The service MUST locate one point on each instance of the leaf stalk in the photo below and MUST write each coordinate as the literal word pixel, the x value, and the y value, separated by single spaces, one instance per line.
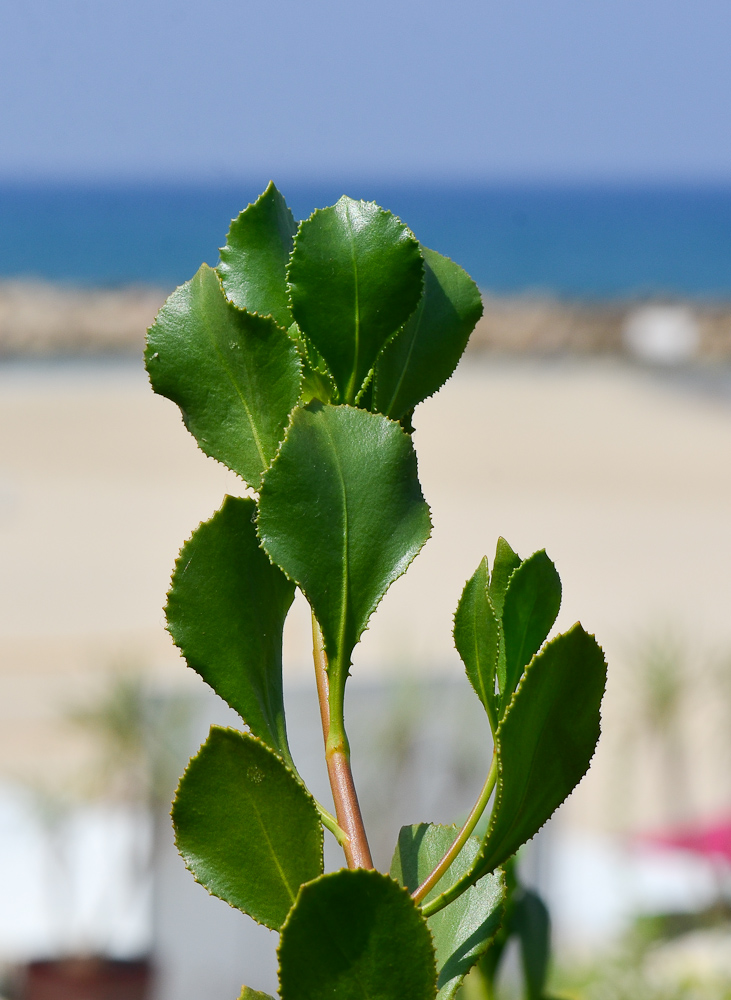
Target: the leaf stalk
pixel 470 823
pixel 337 757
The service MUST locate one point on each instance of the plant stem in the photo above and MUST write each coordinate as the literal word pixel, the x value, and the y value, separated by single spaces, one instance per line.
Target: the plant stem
pixel 337 757
pixel 326 817
pixel 330 823
pixel 470 823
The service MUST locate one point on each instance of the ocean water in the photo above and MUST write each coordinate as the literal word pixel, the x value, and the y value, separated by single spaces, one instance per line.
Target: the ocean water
pixel 580 242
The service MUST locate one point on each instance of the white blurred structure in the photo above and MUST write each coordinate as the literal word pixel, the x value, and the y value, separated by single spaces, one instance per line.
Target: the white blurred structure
pixel 663 335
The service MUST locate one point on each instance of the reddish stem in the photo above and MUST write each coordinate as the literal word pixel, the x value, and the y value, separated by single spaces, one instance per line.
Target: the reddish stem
pixel 337 757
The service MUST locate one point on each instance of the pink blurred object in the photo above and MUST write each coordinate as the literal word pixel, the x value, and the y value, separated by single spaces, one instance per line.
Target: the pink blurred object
pixel 712 841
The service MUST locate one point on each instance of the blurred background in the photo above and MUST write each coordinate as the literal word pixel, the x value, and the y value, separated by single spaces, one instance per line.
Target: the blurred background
pixel 575 158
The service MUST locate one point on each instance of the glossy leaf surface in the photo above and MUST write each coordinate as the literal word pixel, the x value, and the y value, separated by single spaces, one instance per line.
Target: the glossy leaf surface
pixel 477 638
pixel 532 602
pixel 356 935
pixel 235 376
pixel 253 265
pixel 355 277
pixel 246 827
pixel 545 741
pixel 463 930
pixel 248 994
pixel 226 611
pixel 341 511
pixel 425 352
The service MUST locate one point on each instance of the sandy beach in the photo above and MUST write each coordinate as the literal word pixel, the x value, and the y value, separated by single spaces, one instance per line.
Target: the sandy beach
pixel 619 469
pixel 622 474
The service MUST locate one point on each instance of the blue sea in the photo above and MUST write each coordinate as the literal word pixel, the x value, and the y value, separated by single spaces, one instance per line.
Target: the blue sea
pixel 572 242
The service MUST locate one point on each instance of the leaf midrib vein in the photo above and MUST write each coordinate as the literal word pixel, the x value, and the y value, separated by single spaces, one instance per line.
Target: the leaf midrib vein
pixel 356 318
pixel 237 390
pixel 267 838
pixel 334 938
pixel 345 549
pixel 524 795
pixel 407 362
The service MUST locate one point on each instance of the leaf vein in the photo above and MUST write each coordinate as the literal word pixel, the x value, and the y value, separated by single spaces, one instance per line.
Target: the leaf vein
pixel 227 369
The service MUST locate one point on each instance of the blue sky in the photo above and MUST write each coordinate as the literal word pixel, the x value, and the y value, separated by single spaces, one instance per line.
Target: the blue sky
pixel 620 90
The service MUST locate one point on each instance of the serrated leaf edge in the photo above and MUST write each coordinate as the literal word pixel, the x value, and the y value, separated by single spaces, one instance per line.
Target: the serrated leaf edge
pixel 499 784
pixel 408 232
pixel 199 445
pixel 252 204
pixel 403 889
pixel 455 828
pixel 486 944
pixel 289 770
pixel 346 406
pixel 393 336
pixel 168 629
pixel 499 622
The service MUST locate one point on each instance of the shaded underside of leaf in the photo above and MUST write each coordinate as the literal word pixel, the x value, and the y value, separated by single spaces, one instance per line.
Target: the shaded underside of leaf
pixel 532 603
pixel 356 935
pixel 234 375
pixel 341 511
pixel 355 277
pixel 545 741
pixel 246 826
pixel 420 358
pixel 463 930
pixel 477 638
pixel 226 611
pixel 253 267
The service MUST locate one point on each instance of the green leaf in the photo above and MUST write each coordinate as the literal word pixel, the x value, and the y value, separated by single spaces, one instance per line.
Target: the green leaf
pixel 226 611
pixel 477 638
pixel 235 376
pixel 356 935
pixel 545 741
pixel 248 994
pixel 532 601
pixel 342 513
pixel 490 962
pixel 425 352
pixel 317 382
pixel 253 266
pixel 463 930
pixel 532 923
pixel 246 827
pixel 355 277
pixel 506 562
